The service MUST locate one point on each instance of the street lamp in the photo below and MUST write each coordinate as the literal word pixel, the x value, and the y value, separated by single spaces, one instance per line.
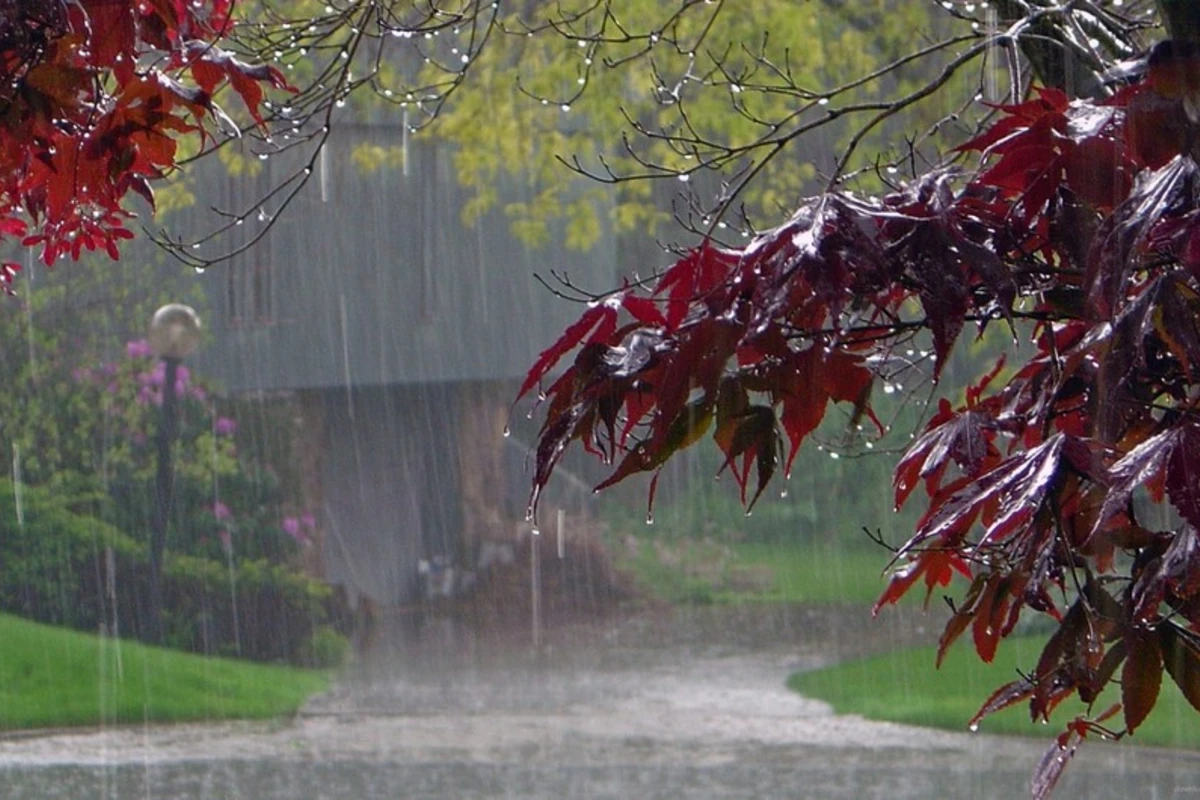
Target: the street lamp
pixel 174 334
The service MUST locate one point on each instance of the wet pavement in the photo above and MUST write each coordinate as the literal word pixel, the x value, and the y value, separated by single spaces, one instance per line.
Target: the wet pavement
pixel 661 705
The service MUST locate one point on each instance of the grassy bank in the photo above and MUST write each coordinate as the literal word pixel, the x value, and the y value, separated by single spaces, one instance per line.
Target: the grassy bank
pixel 903 686
pixel 53 677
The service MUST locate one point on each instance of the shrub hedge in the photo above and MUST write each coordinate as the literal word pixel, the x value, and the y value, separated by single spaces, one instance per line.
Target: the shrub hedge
pixel 64 567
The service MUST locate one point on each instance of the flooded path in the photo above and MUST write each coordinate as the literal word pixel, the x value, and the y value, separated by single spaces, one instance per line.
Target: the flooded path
pixel 653 707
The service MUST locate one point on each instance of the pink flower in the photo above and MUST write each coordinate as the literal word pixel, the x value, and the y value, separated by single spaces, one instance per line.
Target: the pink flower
pixel 138 348
pixel 224 426
pixel 157 375
pixel 221 511
pixel 291 526
pixel 308 521
pixel 226 540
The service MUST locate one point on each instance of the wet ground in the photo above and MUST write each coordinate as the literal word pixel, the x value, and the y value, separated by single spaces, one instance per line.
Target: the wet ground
pixel 690 704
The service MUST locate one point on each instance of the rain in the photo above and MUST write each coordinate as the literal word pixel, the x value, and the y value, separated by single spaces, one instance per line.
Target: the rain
pixel 292 508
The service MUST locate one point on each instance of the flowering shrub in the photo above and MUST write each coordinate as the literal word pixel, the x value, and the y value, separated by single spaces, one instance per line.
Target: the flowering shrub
pixel 226 504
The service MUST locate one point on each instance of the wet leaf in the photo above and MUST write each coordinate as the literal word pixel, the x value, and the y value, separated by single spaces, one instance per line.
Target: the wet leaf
pixel 1141 677
pixel 1183 473
pixel 1007 695
pixel 1020 481
pixel 1181 658
pixel 1135 469
pixel 599 321
pixel 1052 764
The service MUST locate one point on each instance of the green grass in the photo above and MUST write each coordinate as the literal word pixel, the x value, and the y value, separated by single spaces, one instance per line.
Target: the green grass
pixel 52 677
pixel 745 572
pixel 903 686
pixel 817 573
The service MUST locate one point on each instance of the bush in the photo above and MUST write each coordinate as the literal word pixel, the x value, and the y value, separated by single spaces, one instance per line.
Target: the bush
pixel 256 610
pixel 55 567
pixel 326 648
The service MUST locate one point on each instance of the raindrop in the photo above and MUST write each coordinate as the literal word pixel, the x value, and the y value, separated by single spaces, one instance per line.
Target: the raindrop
pixel 684 178
pixel 974 727
pixel 650 518
pixel 507 432
pixel 535 531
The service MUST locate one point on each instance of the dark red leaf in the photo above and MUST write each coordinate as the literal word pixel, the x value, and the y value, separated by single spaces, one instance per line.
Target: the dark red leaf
pixel 1141 677
pixel 1020 482
pixel 1007 695
pixel 898 585
pixel 1181 657
pixel 599 321
pixel 963 438
pixel 986 635
pixel 691 278
pixel 643 310
pixel 1048 771
pixel 1180 566
pixel 1183 473
pixel 1135 469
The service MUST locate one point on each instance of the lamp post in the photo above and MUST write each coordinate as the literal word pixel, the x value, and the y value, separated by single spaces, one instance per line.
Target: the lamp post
pixel 174 334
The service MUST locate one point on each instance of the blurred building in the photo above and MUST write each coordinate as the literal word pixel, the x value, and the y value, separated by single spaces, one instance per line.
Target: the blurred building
pixel 401 333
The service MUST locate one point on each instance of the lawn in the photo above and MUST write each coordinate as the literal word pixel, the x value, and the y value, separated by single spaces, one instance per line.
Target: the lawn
pixel 53 677
pixel 691 571
pixel 903 686
pixel 813 572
